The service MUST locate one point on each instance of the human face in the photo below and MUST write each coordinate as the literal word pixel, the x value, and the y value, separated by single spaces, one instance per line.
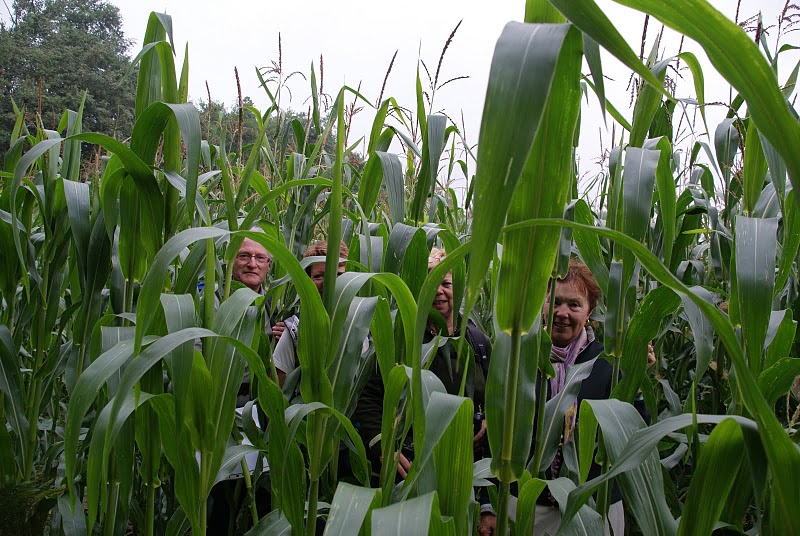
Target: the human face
pixel 570 315
pixel 252 264
pixel 317 274
pixel 443 302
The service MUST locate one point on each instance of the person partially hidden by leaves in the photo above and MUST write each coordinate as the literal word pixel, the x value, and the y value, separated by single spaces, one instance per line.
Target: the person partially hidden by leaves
pixel 285 355
pixel 251 266
pixel 574 343
pixel 443 323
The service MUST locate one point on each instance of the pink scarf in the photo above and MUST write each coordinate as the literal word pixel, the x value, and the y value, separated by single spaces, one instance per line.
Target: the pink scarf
pixel 561 358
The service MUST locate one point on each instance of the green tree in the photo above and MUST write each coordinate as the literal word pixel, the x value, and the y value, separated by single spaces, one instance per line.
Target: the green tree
pixel 51 51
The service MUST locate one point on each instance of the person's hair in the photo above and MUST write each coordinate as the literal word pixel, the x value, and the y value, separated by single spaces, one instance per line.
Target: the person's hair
pixel 580 275
pixel 256 229
pixel 320 249
pixel 436 256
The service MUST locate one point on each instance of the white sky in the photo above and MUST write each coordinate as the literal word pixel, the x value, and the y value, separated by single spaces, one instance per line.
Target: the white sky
pixel 357 39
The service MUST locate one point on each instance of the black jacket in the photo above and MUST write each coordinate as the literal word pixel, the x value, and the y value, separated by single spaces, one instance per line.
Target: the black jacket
pixel 597 387
pixel 369 411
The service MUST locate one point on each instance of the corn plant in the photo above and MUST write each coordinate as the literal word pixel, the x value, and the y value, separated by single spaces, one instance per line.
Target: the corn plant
pixel 118 418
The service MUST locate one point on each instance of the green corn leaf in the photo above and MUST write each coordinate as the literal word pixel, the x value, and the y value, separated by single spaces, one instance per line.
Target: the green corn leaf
pixel 556 408
pixel 647 104
pixel 713 479
pixel 590 18
pixel 528 256
pixel 791 239
pixel 393 179
pixel 344 366
pixel 589 245
pixel 702 330
pixel 448 444
pixel 726 144
pixel 756 243
pixel 780 336
pixel 232 460
pixel 73 522
pixel 289 483
pixel 755 170
pixel 642 486
pixel 272 524
pixel 12 388
pixel 638 181
pixel 509 439
pixel 699 82
pixel 776 381
pixel 643 328
pixel 587 440
pixel 586 522
pixel 737 58
pixel 420 515
pixel 665 183
pixel 519 85
pixel 350 508
pixel 526 505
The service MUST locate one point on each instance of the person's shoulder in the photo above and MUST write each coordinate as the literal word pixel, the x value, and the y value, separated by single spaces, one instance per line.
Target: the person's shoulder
pixel 594 349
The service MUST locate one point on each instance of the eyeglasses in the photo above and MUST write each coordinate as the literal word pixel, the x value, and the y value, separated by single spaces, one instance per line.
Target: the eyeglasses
pixel 260 259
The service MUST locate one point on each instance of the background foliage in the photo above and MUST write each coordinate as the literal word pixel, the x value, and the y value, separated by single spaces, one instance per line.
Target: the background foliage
pixel 115 422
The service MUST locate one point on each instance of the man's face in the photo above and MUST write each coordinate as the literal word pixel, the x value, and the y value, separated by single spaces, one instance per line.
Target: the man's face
pixel 317 274
pixel 252 264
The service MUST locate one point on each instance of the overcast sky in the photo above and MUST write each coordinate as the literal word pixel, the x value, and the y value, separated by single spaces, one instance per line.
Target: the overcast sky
pixel 357 39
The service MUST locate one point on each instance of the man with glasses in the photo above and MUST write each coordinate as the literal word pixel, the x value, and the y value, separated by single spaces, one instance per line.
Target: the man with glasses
pixel 251 266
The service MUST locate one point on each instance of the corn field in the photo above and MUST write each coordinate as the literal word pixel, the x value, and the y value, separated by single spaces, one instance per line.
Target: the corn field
pixel 115 422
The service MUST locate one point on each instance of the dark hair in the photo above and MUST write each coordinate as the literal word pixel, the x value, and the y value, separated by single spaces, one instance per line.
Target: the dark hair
pixel 580 275
pixel 320 249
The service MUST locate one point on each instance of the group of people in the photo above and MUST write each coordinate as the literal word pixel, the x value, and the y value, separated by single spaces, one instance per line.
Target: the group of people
pixel 573 342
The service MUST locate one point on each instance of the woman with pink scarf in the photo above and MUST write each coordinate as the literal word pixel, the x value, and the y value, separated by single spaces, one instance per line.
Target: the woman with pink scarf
pixel 577 294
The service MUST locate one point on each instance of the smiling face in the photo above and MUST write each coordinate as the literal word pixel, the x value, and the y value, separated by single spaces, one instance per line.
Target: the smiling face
pixel 571 313
pixel 443 302
pixel 252 264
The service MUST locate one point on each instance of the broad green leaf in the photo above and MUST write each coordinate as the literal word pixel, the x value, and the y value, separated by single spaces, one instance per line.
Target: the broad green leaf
pixel 755 170
pixel 638 181
pixel 737 58
pixel 702 330
pixel 273 524
pixel 590 18
pixel 643 328
pixel 11 386
pixel 589 245
pixel 642 484
pixel 394 182
pixel 556 408
pixel 665 183
pixel 519 86
pixel 349 509
pixel 756 244
pixel 776 381
pixel 587 522
pixel 726 144
pixel 529 255
pixel 526 505
pixel 509 438
pixel 780 336
pixel 411 517
pixel 712 479
pixel 647 103
pixel 791 239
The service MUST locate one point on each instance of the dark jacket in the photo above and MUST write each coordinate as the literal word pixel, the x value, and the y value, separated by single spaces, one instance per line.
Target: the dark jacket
pixel 369 411
pixel 597 387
